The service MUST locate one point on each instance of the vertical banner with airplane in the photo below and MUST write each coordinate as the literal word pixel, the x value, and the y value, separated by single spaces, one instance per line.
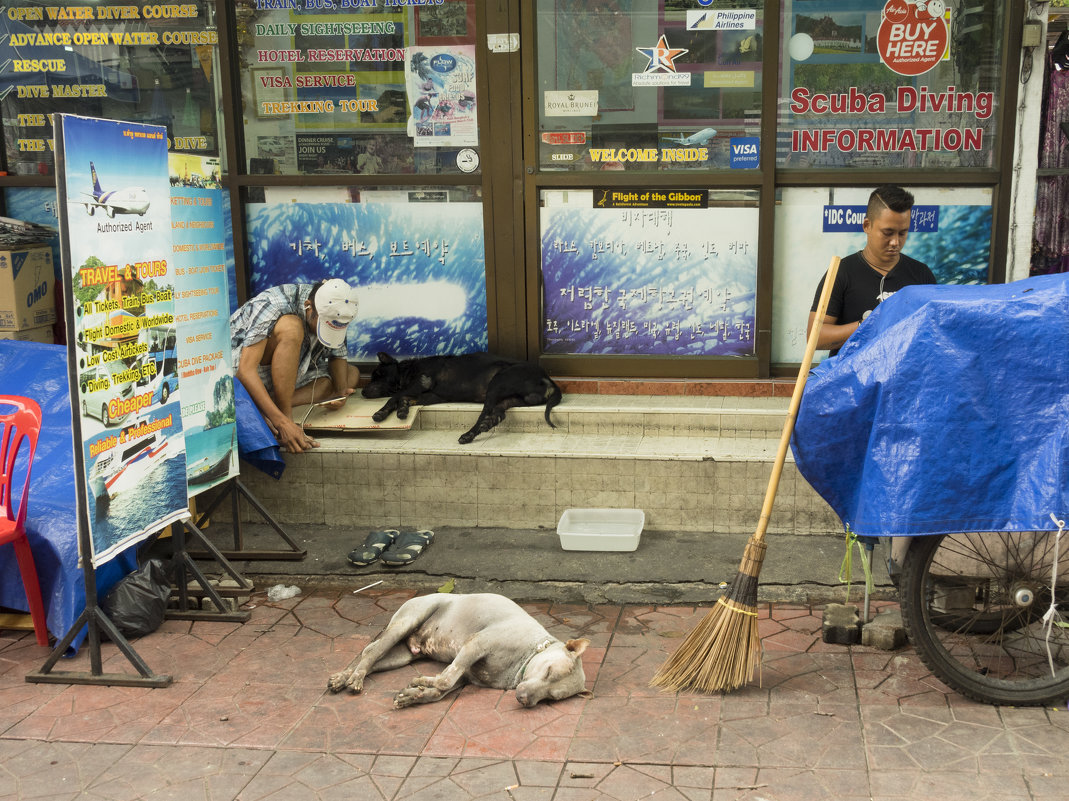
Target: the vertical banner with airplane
pixel 202 316
pixel 115 241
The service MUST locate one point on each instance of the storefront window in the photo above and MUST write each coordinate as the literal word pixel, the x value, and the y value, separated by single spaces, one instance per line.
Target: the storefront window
pixel 889 83
pixel 950 231
pixel 649 271
pixel 670 85
pixel 344 87
pixel 132 61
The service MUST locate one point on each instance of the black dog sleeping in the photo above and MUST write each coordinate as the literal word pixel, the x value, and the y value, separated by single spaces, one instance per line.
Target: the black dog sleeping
pixel 496 382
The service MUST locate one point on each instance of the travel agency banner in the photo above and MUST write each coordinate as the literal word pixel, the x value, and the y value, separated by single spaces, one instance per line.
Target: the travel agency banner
pixel 201 360
pixel 115 240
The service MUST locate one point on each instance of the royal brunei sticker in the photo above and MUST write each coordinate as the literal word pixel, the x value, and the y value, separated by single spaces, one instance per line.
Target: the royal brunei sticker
pixel 571 103
pixel 661 69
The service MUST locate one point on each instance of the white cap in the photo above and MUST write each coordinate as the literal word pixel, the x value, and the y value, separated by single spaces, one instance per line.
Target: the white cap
pixel 336 305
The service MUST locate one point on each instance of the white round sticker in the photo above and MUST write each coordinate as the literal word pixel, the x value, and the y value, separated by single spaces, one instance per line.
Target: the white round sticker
pixel 467 160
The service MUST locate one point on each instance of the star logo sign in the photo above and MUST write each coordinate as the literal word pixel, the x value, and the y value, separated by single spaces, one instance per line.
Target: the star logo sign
pixel 662 57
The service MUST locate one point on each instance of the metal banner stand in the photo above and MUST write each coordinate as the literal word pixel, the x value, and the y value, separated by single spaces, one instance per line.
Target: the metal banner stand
pixel 234 490
pixel 98 622
pixel 185 568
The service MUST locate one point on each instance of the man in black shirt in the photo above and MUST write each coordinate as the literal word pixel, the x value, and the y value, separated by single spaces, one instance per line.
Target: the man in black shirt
pixel 873 274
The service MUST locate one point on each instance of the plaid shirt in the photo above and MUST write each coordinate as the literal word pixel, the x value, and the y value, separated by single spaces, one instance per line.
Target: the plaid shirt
pixel 255 320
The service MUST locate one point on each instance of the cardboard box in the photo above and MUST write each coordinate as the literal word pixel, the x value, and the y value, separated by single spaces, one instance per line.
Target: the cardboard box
pixel 43 334
pixel 27 284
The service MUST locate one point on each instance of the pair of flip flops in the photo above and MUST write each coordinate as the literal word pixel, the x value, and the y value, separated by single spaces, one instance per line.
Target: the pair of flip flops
pixel 392 547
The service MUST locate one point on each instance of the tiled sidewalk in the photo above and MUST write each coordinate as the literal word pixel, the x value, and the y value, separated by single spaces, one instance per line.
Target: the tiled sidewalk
pixel 248 717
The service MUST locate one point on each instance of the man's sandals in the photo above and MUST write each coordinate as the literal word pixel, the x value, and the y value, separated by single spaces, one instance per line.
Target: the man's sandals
pixel 374 545
pixel 407 547
pixel 392 547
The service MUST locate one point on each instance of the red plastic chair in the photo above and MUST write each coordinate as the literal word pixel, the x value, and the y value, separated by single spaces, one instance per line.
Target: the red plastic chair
pixel 21 425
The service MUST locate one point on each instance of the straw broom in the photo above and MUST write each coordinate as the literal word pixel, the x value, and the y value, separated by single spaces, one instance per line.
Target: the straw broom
pixel 724 651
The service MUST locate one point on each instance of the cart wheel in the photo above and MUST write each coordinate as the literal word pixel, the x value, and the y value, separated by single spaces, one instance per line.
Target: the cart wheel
pixel 973 606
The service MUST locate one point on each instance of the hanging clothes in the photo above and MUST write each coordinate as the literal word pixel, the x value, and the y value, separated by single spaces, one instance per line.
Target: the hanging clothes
pixel 1052 191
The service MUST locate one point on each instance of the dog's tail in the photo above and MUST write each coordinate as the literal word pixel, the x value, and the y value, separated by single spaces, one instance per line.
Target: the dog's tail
pixel 553 397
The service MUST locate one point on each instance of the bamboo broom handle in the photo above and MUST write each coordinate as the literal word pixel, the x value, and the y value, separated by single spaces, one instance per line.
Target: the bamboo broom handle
pixel 796 400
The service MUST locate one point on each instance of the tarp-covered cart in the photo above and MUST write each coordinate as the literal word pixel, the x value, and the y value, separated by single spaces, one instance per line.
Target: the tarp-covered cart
pixel 947 415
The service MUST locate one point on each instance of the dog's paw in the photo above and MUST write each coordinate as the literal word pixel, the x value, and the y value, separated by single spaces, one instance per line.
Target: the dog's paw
pixel 380 415
pixel 466 437
pixel 345 679
pixel 410 695
pixel 337 682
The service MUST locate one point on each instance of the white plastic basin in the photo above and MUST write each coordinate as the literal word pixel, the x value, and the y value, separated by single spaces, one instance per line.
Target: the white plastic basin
pixel 600 529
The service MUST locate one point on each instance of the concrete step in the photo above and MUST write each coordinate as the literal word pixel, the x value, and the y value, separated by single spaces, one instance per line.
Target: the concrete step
pixel 691 464
pixel 626 415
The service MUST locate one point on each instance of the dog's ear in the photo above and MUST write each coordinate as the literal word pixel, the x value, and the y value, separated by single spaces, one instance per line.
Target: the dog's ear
pixel 577 646
pixel 386 358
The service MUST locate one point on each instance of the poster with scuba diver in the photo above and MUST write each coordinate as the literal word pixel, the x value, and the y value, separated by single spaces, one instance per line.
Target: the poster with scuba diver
pixel 441 96
pixel 115 242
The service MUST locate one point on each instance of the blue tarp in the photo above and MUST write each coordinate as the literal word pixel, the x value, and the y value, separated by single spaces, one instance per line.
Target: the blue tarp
pixel 40 372
pixel 948 410
pixel 256 444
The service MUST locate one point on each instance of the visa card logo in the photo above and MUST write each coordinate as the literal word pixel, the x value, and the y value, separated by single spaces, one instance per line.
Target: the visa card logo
pixel 745 153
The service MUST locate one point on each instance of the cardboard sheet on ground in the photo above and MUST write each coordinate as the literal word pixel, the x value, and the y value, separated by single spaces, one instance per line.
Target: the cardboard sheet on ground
pixel 40 372
pixel 354 415
pixel 947 411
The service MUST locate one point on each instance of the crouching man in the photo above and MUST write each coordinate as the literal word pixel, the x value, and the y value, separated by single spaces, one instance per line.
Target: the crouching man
pixel 288 346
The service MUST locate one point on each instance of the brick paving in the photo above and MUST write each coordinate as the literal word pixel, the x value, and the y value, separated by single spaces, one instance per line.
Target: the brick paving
pixel 247 717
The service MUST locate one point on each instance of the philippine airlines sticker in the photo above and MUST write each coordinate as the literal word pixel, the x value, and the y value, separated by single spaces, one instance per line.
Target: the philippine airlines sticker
pixel 913 35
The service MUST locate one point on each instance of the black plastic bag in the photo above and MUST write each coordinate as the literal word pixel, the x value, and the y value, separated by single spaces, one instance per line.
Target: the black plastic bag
pixel 138 603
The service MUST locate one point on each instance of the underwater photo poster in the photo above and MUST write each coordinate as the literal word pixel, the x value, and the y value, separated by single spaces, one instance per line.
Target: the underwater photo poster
pixel 418 266
pixel 644 280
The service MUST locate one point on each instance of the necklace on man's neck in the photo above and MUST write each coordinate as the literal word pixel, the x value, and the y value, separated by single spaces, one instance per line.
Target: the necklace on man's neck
pixel 881 270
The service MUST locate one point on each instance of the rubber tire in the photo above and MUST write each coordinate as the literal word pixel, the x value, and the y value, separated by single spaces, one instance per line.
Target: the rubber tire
pixel 105 418
pixel 164 394
pixel 921 630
